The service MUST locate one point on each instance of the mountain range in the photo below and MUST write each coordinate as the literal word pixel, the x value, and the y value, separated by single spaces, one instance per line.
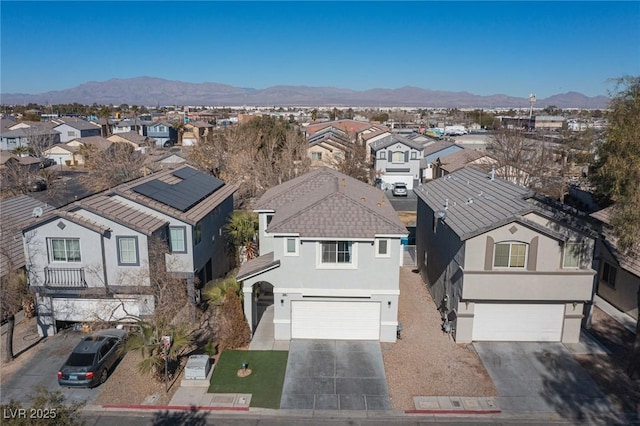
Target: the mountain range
pixel 153 91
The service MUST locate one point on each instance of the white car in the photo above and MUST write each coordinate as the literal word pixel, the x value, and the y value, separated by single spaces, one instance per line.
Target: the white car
pixel 399 189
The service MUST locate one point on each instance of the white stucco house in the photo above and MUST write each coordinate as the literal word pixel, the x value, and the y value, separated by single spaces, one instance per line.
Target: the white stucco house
pixel 330 250
pixel 398 159
pixel 502 263
pixel 92 260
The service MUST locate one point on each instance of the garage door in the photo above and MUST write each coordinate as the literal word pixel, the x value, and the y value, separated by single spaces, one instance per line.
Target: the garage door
pixel 518 322
pixel 335 320
pixel 391 179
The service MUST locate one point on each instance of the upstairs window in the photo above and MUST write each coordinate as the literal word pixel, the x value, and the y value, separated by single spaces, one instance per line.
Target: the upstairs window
pixel 510 255
pixel 397 157
pixel 609 274
pixel 382 155
pixel 414 155
pixel 316 156
pixel 382 248
pixel 336 252
pixel 65 249
pixel 127 250
pixel 291 246
pixel 197 233
pixel 178 239
pixel 571 258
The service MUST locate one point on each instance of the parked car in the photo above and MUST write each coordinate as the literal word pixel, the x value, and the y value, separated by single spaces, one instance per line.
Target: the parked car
pixel 399 189
pixel 92 359
pixel 37 184
pixel 47 162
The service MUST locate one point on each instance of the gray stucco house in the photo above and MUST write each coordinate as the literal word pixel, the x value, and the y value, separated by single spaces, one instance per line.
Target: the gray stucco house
pixel 330 252
pixel 90 260
pixel 73 128
pixel 397 159
pixel 500 262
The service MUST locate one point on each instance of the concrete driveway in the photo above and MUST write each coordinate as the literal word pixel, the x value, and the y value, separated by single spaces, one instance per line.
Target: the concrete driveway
pixel 335 375
pixel 42 371
pixel 536 378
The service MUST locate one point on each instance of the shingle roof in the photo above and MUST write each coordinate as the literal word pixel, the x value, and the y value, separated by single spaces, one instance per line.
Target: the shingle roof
pixel 459 159
pixel 628 263
pixel 78 124
pixel 326 203
pixel 14 213
pixel 98 141
pixel 257 265
pixel 122 213
pixel 434 147
pixel 130 136
pixel 351 126
pixel 492 201
pixel 387 141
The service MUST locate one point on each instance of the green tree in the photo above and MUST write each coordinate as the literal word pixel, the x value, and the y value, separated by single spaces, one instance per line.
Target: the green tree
pixel 180 128
pixel 105 113
pixel 241 232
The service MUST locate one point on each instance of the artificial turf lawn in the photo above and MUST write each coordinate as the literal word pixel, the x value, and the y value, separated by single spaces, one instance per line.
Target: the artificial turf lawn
pixel 264 383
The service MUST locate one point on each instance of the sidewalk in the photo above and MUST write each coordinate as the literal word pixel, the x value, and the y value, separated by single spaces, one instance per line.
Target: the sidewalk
pixel 263 338
pixel 626 320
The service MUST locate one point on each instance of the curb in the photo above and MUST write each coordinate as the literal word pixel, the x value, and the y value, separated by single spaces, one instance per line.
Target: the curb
pixel 173 407
pixel 449 412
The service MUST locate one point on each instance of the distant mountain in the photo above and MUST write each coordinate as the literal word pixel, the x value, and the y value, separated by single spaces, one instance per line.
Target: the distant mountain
pixel 156 91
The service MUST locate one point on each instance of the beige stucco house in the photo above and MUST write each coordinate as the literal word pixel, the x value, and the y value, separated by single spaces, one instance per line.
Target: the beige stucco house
pixel 501 263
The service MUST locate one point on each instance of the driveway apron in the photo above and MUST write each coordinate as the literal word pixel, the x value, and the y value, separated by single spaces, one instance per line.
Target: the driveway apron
pixel 543 378
pixel 335 375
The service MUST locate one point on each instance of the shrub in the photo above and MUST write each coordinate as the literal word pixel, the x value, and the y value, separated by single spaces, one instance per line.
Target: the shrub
pixel 234 329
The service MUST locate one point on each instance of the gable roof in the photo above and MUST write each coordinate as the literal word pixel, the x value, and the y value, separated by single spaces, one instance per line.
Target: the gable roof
pixel 14 213
pixel 327 204
pixel 438 146
pixel 387 141
pixel 97 141
pixel 458 160
pixel 77 124
pixel 629 263
pixel 349 126
pixel 130 136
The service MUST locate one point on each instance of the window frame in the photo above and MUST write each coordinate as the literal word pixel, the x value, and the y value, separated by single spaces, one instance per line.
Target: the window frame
pixel 197 234
pixel 52 256
pixel 565 251
pixel 296 242
pixel 414 155
pixel 387 242
pixel 510 254
pixel 608 269
pixel 184 235
pixel 136 251
pixel 316 156
pixel 352 250
pixel 398 153
pixel 383 155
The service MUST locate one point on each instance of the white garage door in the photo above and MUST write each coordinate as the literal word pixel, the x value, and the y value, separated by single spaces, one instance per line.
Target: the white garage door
pixel 518 322
pixel 391 179
pixel 335 320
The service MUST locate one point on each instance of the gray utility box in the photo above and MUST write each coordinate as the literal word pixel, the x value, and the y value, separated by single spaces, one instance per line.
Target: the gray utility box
pixel 198 367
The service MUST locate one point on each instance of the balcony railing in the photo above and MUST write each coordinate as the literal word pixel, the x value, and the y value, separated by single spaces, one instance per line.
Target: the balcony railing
pixel 64 278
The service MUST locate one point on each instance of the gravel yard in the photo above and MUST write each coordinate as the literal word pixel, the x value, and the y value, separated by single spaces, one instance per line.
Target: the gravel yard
pixel 426 361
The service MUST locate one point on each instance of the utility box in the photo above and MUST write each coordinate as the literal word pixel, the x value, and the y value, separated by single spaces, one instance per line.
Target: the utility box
pixel 197 367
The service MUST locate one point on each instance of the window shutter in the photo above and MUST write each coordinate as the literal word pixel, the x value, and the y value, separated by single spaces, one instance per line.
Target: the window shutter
pixel 406 156
pixel 488 255
pixel 389 156
pixel 533 255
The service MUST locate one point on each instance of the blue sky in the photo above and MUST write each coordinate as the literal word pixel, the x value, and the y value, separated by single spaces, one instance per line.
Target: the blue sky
pixel 484 48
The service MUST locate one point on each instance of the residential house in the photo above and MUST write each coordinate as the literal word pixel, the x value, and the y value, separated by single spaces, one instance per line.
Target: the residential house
pixel 618 279
pixel 432 152
pixel 70 153
pixel 397 159
pixel 328 147
pixel 139 142
pixel 90 260
pixel 76 128
pixel 330 252
pixel 162 132
pixel 501 263
pixel 195 132
pixel 14 213
pixel 36 138
pixel 126 126
pixel 457 160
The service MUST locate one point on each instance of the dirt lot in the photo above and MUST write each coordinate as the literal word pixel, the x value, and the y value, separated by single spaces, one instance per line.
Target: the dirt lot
pixel 426 361
pixel 608 371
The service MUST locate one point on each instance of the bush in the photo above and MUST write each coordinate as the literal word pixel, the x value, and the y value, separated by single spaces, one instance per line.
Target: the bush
pixel 234 329
pixel 47 408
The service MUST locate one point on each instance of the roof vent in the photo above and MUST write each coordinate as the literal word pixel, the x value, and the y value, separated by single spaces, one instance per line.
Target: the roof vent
pixel 37 212
pixel 470 200
pixel 363 199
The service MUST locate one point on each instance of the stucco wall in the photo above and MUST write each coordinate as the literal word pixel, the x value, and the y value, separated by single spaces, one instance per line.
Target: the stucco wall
pixel 625 294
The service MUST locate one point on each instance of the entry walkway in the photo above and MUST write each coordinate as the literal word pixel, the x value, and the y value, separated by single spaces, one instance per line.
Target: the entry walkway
pixel 263 339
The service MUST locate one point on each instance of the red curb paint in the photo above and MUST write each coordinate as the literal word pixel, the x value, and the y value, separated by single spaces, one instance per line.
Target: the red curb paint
pixel 175 407
pixel 453 411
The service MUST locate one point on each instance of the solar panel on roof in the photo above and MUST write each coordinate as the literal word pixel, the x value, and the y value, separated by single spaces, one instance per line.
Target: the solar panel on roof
pixel 193 188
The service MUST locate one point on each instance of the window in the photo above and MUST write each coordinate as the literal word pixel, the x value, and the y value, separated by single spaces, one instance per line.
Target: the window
pixel 65 249
pixel 197 233
pixel 316 156
pixel 336 252
pixel 510 255
pixel 397 157
pixel 162 129
pixel 71 134
pixel 609 274
pixel 291 246
pixel 382 248
pixel 571 257
pixel 178 239
pixel 127 250
pixel 414 155
pixel 383 155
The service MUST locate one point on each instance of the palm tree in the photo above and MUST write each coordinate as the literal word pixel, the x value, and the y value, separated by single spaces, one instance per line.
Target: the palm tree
pixel 241 232
pixel 135 109
pixel 215 291
pixel 105 112
pixel 20 151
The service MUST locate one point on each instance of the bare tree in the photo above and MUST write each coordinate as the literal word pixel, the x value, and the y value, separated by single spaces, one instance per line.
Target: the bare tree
pixel 355 163
pixel 118 163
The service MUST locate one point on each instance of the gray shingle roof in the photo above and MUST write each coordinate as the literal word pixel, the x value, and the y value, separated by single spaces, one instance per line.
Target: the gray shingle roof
pixel 437 146
pixel 459 159
pixel 329 204
pixel 629 263
pixel 78 124
pixel 387 141
pixel 473 202
pixel 257 265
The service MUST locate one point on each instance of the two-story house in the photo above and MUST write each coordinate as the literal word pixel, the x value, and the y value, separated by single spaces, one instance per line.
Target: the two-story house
pixel 91 260
pixel 330 250
pixel 328 147
pixel 432 152
pixel 397 159
pixel 163 133
pixel 500 263
pixel 73 128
